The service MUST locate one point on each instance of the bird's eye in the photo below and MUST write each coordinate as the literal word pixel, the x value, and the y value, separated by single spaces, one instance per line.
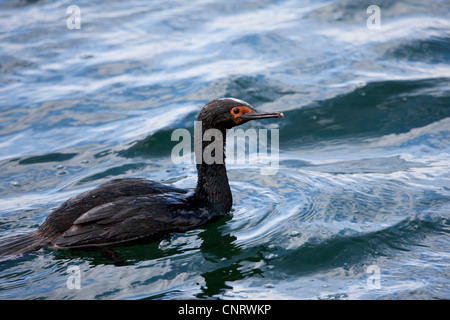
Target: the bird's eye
pixel 236 110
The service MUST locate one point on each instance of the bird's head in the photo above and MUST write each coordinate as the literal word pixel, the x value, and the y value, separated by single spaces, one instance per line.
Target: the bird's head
pixel 227 113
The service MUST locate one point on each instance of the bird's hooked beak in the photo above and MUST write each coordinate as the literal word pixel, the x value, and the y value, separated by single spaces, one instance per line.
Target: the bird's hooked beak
pixel 260 115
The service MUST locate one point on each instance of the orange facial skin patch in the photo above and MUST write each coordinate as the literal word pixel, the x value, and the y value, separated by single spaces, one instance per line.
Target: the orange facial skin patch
pixel 239 111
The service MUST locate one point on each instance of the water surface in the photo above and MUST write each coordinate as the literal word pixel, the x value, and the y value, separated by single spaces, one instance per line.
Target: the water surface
pixel 364 171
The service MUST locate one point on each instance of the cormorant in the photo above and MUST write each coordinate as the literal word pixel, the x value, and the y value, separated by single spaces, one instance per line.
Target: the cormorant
pixel 124 211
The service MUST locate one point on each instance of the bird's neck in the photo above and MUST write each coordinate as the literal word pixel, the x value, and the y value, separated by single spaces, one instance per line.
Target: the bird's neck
pixel 213 189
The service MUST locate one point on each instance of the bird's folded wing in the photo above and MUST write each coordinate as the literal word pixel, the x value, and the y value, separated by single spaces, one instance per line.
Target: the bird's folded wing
pixel 125 220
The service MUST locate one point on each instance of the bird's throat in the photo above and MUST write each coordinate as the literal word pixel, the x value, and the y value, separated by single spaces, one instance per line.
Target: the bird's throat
pixel 213 188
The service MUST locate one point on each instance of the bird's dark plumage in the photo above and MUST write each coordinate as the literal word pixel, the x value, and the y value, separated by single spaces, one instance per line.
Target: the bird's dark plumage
pixel 124 211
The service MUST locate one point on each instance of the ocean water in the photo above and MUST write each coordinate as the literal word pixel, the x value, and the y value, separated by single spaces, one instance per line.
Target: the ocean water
pixel 359 207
